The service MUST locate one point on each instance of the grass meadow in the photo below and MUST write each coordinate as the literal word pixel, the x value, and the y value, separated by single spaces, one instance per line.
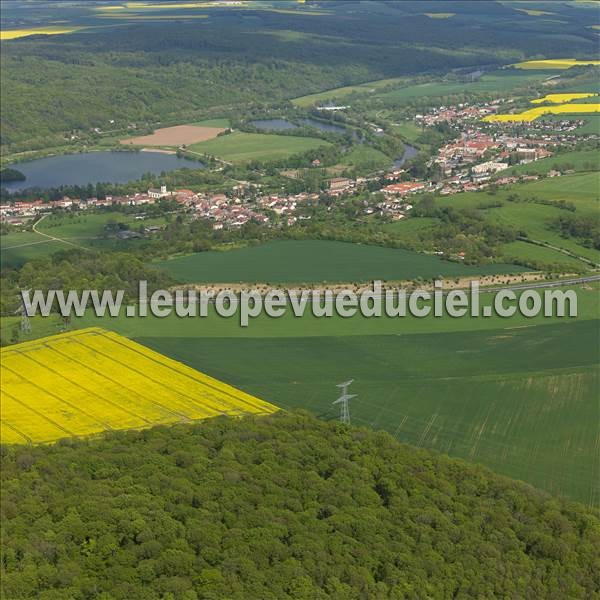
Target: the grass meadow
pixel 84 229
pixel 244 147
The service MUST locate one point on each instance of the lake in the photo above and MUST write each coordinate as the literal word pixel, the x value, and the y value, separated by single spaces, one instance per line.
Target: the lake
pixel 284 124
pixel 95 167
pixel 273 124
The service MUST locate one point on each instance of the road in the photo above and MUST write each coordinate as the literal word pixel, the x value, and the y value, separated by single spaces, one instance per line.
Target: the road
pixel 52 237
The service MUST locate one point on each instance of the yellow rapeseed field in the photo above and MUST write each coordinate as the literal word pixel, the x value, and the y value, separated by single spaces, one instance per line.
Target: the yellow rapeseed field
pixel 554 63
pixel 12 34
pixel 88 381
pixel 534 113
pixel 560 98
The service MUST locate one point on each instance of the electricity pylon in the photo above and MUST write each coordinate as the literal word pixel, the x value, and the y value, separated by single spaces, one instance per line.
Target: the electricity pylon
pixel 25 322
pixel 343 401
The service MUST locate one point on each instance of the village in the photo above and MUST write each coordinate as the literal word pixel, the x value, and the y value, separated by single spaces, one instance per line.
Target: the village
pixel 472 161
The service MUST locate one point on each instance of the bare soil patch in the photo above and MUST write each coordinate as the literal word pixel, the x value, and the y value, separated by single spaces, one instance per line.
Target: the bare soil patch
pixel 175 136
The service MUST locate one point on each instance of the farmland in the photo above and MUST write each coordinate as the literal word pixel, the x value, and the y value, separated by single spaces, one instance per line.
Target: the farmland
pixel 488 390
pixel 585 160
pixel 533 218
pixel 570 108
pixel 316 261
pixel 89 381
pixel 368 88
pixel 13 34
pixel 496 81
pixel 554 63
pixel 20 246
pixel 87 230
pixel 244 147
pixel 559 98
pixel 175 136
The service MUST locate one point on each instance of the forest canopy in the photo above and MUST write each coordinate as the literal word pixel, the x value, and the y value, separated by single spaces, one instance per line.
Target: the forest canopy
pixel 281 507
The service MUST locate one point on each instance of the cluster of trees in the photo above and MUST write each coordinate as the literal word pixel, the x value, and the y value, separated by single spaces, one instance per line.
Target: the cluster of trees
pixel 562 204
pixel 280 507
pixel 583 228
pixel 80 270
pixel 461 230
pixel 7 175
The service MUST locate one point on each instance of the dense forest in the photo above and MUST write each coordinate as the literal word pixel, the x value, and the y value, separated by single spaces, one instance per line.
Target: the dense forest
pixel 281 507
pixel 148 72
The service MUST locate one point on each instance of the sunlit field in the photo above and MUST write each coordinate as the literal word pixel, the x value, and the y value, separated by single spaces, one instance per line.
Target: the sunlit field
pixel 12 34
pixel 534 113
pixel 560 98
pixel 554 63
pixel 89 381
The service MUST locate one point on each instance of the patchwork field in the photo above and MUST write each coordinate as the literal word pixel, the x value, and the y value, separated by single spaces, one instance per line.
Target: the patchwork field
pixel 317 261
pixel 244 147
pixel 84 230
pixel 495 81
pixel 519 395
pixel 535 219
pixel 175 136
pixel 85 382
pixel 570 108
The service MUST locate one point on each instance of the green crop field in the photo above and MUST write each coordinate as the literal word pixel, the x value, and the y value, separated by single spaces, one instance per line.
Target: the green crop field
pixel 17 247
pixel 496 81
pixel 84 229
pixel 489 390
pixel 244 147
pixel 317 261
pixel 580 188
pixel 369 87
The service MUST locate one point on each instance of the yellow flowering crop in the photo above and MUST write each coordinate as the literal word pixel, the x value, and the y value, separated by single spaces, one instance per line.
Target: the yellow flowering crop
pixel 534 113
pixel 11 34
pixel 554 63
pixel 560 98
pixel 89 381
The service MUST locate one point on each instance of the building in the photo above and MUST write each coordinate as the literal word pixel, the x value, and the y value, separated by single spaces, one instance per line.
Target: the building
pixel 488 167
pixel 159 194
pixel 404 188
pixel 339 183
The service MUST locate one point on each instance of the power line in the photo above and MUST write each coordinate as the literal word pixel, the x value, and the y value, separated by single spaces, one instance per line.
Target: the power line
pixel 343 401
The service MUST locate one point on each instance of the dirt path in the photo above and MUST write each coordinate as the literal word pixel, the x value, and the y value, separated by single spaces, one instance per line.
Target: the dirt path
pixel 52 237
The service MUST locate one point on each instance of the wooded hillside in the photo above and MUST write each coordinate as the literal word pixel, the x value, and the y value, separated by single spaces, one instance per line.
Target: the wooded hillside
pixel 280 507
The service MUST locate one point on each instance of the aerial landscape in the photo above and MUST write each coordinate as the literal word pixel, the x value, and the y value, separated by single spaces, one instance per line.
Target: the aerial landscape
pixel 299 299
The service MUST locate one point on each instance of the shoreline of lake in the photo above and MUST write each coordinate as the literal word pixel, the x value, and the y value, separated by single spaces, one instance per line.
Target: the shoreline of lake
pixel 85 168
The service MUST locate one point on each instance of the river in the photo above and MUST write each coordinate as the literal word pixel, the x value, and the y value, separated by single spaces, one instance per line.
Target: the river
pixel 409 152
